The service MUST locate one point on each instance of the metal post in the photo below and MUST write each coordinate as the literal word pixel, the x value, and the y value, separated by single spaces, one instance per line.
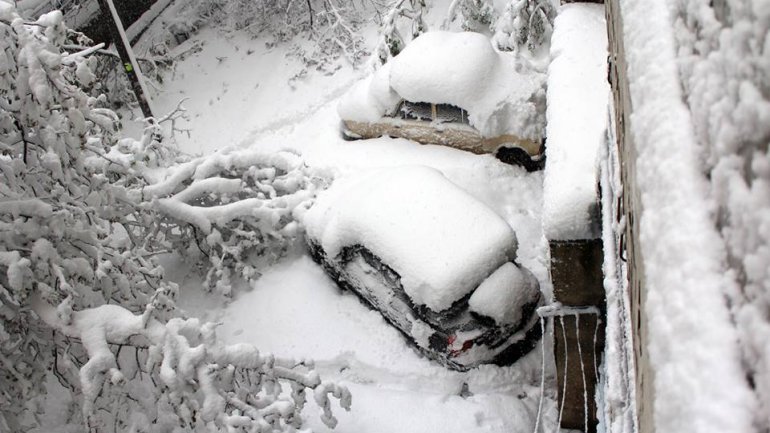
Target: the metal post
pixel 130 65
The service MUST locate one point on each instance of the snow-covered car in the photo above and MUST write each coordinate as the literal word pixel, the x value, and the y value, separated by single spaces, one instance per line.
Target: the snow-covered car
pixel 453 89
pixel 433 260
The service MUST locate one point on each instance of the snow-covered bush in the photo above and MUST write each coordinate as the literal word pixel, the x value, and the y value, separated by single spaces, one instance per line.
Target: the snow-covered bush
pixel 525 26
pixel 477 15
pixel 391 41
pixel 724 52
pixel 521 26
pixel 82 298
pixel 111 79
pixel 332 25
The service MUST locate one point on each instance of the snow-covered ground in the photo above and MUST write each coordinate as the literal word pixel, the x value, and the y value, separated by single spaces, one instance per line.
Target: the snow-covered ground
pixel 239 95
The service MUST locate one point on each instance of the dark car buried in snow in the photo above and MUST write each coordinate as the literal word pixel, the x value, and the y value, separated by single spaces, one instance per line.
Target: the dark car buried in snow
pixel 438 264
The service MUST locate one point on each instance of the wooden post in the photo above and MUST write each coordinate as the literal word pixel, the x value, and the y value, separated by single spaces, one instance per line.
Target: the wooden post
pixel 577 276
pixel 130 65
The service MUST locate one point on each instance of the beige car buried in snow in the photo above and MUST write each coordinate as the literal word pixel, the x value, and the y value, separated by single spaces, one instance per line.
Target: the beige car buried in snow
pixel 501 99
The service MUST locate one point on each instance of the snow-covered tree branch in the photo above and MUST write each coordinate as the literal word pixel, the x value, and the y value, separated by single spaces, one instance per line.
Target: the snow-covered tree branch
pixel 525 26
pixel 522 26
pixel 477 15
pixel 391 41
pixel 81 292
pixel 240 207
pixel 200 380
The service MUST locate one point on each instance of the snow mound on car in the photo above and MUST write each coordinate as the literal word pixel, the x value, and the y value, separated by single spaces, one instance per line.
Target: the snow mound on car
pixel 369 99
pixel 445 67
pixel 501 93
pixel 442 241
pixel 503 295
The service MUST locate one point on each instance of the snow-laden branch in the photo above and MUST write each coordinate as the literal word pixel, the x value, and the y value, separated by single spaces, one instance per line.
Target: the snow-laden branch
pixel 391 41
pixel 188 360
pixel 82 295
pixel 238 205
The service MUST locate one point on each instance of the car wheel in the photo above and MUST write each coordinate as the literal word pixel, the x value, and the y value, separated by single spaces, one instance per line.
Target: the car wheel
pixel 518 156
pixel 348 135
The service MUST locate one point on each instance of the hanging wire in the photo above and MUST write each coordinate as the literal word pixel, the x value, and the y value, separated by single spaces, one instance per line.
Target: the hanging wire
pixel 596 340
pixel 542 375
pixel 564 379
pixel 557 309
pixel 582 373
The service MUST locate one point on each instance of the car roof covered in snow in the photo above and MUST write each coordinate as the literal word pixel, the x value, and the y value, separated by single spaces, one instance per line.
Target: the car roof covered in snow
pixel 446 67
pixel 503 94
pixel 442 241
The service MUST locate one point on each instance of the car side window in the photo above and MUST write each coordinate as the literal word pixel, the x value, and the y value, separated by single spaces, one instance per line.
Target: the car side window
pixel 423 111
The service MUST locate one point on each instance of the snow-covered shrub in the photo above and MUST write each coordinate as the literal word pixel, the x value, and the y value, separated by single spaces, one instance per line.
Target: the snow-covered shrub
pixel 724 51
pixel 477 15
pixel 526 25
pixel 111 79
pixel 81 295
pixel 521 26
pixel 240 208
pixel 331 25
pixel 391 41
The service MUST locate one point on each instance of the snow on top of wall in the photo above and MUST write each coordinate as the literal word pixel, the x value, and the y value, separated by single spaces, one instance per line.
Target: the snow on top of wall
pixel 578 94
pixel 699 384
pixel 441 240
pixel 502 94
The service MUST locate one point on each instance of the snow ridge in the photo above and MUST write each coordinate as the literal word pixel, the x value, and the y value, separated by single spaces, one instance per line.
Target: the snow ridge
pixel 699 384
pixel 578 93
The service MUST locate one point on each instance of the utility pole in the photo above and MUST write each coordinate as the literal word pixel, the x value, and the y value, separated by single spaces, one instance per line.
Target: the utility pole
pixel 130 65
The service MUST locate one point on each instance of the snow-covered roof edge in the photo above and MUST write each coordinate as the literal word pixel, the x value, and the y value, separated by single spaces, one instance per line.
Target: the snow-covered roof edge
pixel 699 385
pixel 577 98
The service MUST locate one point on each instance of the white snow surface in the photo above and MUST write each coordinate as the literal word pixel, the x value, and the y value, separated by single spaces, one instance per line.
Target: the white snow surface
pixel 503 294
pixel 441 240
pixel 369 99
pixel 394 388
pixel 699 384
pixel 242 97
pixel 578 94
pixel 724 64
pixel 501 93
